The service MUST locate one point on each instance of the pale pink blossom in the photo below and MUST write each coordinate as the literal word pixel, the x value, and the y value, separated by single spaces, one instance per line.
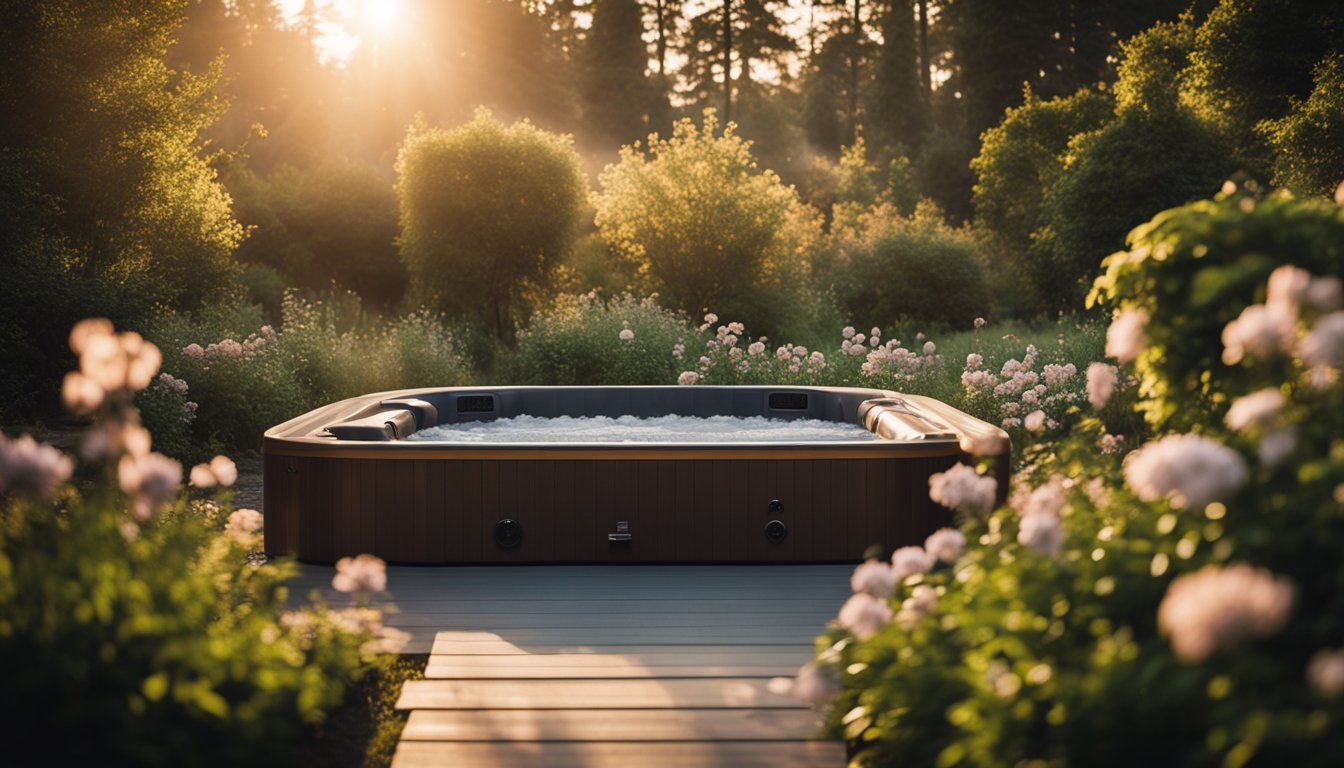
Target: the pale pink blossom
pixel 848 332
pixel 1047 499
pixel 864 615
pixel 385 640
pixel 1325 293
pixel 30 467
pixel 243 524
pixel 961 487
pixel 1277 445
pixel 874 577
pixel 711 318
pixel 194 351
pixel 922 601
pixel 688 378
pixel 1262 330
pixel 1258 409
pixel 114 361
pixel 80 393
pixel 1324 345
pixel 815 684
pixel 1125 338
pixel 973 361
pixel 362 573
pixel 874 333
pixel 1112 443
pixel 1035 421
pixel 929 348
pixel 1216 607
pixel 150 481
pixel 1288 286
pixel 1189 470
pixel 85 331
pixel 945 544
pixel 910 561
pixel 1041 533
pixel 1325 671
pixel 626 334
pixel 755 348
pixel 1101 383
pixel 979 322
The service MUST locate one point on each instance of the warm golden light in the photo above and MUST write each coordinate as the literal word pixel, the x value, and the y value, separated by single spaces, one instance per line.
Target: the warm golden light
pixel 380 18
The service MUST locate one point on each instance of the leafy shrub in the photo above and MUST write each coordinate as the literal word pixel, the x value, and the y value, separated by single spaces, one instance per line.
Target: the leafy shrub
pixel 893 267
pixel 132 615
pixel 1178 605
pixel 583 339
pixel 1308 142
pixel 704 228
pixel 485 210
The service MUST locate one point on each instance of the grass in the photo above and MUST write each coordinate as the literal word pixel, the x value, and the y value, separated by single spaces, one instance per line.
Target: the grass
pixel 363 732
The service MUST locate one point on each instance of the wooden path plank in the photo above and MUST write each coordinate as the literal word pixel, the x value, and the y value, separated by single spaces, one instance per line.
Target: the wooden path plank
pixel 613 725
pixel 738 692
pixel 676 754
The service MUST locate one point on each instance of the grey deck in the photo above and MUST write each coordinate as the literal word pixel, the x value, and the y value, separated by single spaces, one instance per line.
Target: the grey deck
pixel 608 665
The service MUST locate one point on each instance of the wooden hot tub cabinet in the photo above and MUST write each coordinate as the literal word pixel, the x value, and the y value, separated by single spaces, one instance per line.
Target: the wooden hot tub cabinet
pixel 422 502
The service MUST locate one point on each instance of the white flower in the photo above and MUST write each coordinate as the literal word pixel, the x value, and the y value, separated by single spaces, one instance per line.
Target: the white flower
pixel 875 332
pixel 1047 499
pixel 930 348
pixel 864 615
pixel 1325 293
pixel 974 361
pixel 875 578
pixel 80 393
pixel 848 332
pixel 1217 607
pixel 30 467
pixel 814 684
pixel 1258 409
pixel 150 480
pixel 114 360
pixel 1190 470
pixel 363 573
pixel 711 318
pixel 626 334
pixel 755 348
pixel 909 561
pixel 243 524
pixel 1261 329
pixel 1035 421
pixel 1324 345
pixel 220 471
pixel 1287 285
pixel 945 544
pixel 688 378
pixel 1325 671
pixel 1101 382
pixel 1041 533
pixel 979 322
pixel 1277 445
pixel 922 601
pixel 961 487
pixel 1125 337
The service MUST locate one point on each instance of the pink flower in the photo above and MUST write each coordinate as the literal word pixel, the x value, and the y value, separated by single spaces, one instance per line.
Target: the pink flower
pixel 945 544
pixel 909 561
pixel 1035 421
pixel 1258 409
pixel 875 578
pixel 1125 337
pixel 1287 285
pixel 922 601
pixel 150 480
pixel 363 573
pixel 1101 382
pixel 626 334
pixel 30 467
pixel 243 525
pixel 688 378
pixel 1325 671
pixel 1323 347
pixel 193 351
pixel 864 615
pixel 1262 330
pixel 1041 533
pixel 80 393
pixel 1190 470
pixel 1217 607
pixel 220 471
pixel 814 684
pixel 961 487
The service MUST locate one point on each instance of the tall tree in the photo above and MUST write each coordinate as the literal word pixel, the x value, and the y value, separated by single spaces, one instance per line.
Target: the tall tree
pixel 725 42
pixel 895 110
pixel 621 102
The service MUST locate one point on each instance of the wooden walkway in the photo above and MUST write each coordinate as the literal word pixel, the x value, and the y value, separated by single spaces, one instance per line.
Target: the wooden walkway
pixel 609 665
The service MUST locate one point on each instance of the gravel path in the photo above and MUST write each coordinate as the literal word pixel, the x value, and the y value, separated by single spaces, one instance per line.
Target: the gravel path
pixel 247 490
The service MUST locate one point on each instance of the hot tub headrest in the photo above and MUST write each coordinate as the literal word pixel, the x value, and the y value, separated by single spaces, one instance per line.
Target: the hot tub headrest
pixel 392 424
pixel 426 415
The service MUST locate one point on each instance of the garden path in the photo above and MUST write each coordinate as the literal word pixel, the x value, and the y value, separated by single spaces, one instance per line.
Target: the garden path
pixel 608 665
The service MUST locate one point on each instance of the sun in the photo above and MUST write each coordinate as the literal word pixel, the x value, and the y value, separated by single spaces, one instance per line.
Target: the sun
pixel 380 18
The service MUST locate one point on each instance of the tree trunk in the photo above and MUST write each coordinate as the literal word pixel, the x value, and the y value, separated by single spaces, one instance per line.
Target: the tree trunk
pixel 727 61
pixel 925 66
pixel 856 31
pixel 662 36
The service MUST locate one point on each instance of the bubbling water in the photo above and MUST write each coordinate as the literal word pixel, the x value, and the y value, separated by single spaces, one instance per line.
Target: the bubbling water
pixel 632 429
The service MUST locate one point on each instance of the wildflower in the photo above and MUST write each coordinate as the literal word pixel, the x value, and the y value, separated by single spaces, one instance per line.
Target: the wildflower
pixel 1101 383
pixel 755 349
pixel 1287 286
pixel 1258 409
pixel 961 487
pixel 626 334
pixel 1323 347
pixel 864 615
pixel 1111 443
pixel 1325 671
pixel 678 350
pixel 1325 293
pixel 800 351
pixel 150 480
pixel 874 332
pixel 875 578
pixel 736 328
pixel 1277 445
pixel 817 359
pixel 129 530
pixel 363 573
pixel 193 351
pixel 1261 329
pixel 80 393
pixel 1125 336
pixel 922 601
pixel 1216 607
pixel 859 338
pixel 225 348
pixel 1190 470
pixel 688 378
pixel 945 544
pixel 114 360
pixel 848 332
pixel 219 471
pixel 30 467
pixel 910 561
pixel 974 361
pixel 711 318
pixel 1046 499
pixel 243 524
pixel 813 684
pixel 986 444
pixel 979 322
pixel 929 348
pixel 1041 533
pixel 1035 421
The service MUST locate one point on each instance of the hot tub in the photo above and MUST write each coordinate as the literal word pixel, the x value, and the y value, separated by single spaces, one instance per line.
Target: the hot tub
pixel 351 477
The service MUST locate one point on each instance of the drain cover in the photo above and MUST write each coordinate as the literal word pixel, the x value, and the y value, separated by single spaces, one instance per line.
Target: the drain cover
pixel 508 533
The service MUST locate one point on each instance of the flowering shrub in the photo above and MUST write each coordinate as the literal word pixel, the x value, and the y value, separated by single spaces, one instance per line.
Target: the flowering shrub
pixel 585 339
pixel 134 627
pixel 1179 605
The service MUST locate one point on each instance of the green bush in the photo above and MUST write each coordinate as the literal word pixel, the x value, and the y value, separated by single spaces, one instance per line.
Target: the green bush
pixel 892 267
pixel 136 617
pixel 487 211
pixel 1178 605
pixel 581 339
pixel 1308 142
pixel 704 228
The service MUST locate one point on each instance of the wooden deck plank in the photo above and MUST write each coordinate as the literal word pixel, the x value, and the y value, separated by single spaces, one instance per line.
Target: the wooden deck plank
pixel 784 754
pixel 740 693
pixel 458 643
pixel 745 656
pixel 764 636
pixel 613 725
pixel 630 671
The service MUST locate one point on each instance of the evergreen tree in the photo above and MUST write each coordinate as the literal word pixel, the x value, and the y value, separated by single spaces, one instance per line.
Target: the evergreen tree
pixel 621 102
pixel 724 42
pixel 895 110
